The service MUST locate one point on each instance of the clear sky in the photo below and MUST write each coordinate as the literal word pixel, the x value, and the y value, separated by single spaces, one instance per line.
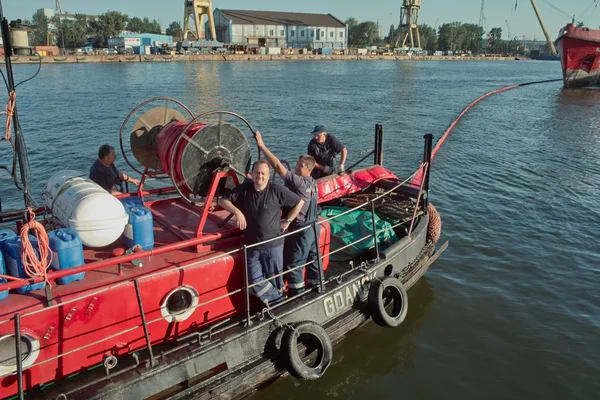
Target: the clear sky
pixel 522 21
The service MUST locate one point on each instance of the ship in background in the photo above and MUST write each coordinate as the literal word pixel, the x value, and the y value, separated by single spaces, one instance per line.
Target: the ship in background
pixel 579 50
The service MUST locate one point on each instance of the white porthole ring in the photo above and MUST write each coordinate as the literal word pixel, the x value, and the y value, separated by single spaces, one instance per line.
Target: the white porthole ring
pixel 7 346
pixel 179 304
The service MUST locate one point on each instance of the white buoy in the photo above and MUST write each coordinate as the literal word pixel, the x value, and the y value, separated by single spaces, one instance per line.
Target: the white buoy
pixel 98 217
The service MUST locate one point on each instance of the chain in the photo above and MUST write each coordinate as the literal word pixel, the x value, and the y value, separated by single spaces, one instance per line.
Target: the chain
pixel 278 322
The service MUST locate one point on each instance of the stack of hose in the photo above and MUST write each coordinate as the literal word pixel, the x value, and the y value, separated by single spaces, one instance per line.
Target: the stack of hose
pixel 166 142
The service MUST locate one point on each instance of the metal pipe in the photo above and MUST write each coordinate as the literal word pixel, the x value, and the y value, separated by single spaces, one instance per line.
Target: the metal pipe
pixel 319 265
pixel 361 160
pixel 113 261
pixel 246 289
pixel 376 146
pixel 18 356
pixel 374 229
pixel 144 324
pixel 380 150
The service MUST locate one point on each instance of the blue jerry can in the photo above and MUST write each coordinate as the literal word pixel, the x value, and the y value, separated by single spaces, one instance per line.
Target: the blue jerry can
pixel 5 234
pixel 14 265
pixel 139 228
pixel 67 252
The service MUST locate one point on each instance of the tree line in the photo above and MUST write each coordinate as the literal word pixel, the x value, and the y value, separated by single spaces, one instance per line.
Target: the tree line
pixel 81 30
pixel 453 36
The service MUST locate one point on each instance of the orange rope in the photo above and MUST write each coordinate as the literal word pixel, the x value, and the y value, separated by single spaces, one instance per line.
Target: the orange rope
pixel 34 266
pixel 9 111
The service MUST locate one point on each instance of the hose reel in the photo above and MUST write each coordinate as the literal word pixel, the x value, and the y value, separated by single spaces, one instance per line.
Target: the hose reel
pixel 168 141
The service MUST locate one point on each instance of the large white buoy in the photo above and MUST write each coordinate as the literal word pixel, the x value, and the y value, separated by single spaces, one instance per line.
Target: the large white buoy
pixel 79 203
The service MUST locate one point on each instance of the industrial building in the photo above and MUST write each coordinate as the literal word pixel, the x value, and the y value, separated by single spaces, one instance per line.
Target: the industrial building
pixel 139 42
pixel 280 29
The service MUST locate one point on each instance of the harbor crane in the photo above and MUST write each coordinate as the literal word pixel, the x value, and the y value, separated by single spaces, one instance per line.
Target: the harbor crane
pixel 539 17
pixel 198 9
pixel 409 24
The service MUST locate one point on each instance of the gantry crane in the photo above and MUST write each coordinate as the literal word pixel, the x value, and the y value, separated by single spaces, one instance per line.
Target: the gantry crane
pixel 198 9
pixel 409 24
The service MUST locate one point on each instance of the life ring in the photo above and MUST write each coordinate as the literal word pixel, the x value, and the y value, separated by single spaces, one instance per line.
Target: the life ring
pixel 324 349
pixel 380 294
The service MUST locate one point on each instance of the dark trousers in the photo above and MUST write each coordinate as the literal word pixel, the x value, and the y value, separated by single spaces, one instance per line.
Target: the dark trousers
pixel 299 249
pixel 263 264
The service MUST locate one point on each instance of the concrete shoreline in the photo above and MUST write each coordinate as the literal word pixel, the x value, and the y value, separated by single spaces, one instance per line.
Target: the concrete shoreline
pixel 83 59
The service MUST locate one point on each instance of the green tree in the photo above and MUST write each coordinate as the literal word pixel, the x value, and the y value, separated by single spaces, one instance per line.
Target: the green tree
pixel 351 23
pixel 174 29
pixel 365 33
pixel 429 38
pixel 495 42
pixel 40 23
pixel 107 25
pixel 391 36
pixel 135 25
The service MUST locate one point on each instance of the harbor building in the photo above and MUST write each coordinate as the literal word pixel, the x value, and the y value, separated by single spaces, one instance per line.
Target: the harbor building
pixel 280 29
pixel 139 43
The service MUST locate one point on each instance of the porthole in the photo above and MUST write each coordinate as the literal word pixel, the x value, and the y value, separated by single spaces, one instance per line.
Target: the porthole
pixel 30 350
pixel 179 304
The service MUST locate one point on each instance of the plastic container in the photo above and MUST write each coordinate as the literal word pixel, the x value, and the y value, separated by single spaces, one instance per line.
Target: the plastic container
pixel 140 228
pixel 5 234
pixel 67 252
pixel 14 265
pixel 132 201
pixel 98 217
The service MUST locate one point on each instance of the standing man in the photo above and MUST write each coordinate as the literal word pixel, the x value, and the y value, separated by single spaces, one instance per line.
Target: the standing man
pixel 257 208
pixel 105 174
pixel 324 148
pixel 299 248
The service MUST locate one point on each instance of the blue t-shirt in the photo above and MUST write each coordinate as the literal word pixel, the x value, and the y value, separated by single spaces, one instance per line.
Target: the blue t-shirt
pixel 107 177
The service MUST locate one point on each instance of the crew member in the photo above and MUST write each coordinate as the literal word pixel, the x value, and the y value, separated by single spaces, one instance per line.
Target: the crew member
pixel 105 173
pixel 257 208
pixel 299 248
pixel 324 148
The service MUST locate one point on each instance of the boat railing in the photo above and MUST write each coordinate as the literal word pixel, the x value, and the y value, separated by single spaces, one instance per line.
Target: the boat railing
pixel 226 324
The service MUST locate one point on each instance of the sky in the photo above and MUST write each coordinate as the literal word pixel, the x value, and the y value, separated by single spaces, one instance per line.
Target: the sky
pixel 498 13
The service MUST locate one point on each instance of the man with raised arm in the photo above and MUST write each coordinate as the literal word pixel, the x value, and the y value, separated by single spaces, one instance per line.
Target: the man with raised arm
pixel 324 147
pixel 257 206
pixel 299 248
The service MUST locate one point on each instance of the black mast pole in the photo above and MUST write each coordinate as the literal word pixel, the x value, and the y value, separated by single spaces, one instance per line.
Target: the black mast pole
pixel 11 87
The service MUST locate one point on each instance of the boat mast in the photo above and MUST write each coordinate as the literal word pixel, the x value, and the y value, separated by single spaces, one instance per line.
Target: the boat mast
pixel 539 17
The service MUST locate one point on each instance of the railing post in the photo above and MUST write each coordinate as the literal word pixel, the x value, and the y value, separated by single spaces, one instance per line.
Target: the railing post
pixel 246 289
pixel 427 159
pixel 380 149
pixel 18 356
pixel 144 324
pixel 376 146
pixel 374 229
pixel 319 264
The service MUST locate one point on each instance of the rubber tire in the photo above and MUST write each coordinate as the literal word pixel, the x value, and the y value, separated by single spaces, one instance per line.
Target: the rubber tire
pixel 377 302
pixel 295 365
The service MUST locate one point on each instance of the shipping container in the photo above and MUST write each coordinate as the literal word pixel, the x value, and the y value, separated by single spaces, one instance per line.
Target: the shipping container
pixel 273 50
pixel 325 51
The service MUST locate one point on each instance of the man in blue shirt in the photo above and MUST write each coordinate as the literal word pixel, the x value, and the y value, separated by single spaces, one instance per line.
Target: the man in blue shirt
pixel 299 248
pixel 257 206
pixel 324 148
pixel 105 174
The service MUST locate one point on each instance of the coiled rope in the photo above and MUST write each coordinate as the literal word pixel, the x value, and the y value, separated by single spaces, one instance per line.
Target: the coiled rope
pixel 434 229
pixel 35 266
pixel 9 111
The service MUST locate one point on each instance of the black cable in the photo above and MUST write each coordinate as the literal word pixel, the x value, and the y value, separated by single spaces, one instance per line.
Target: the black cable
pixel 37 72
pixel 5 81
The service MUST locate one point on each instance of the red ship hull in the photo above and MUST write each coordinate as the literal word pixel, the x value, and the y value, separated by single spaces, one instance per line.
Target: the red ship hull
pixel 579 50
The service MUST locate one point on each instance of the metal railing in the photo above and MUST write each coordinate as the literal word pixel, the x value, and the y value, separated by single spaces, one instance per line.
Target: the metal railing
pixel 246 289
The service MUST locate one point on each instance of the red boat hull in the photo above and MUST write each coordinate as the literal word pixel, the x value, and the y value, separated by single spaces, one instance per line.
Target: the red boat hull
pixel 579 50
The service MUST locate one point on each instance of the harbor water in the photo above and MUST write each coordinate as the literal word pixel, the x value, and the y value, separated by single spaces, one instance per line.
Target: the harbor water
pixel 511 309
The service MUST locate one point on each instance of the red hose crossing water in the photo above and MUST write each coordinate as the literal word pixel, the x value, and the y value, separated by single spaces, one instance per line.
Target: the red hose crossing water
pixel 419 176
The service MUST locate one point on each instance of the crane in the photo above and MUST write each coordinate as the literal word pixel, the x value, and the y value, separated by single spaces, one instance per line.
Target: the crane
pixel 508 27
pixel 409 24
pixel 58 8
pixel 550 42
pixel 198 9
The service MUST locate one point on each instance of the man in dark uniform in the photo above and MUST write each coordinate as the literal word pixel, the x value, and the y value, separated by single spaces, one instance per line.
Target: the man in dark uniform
pixel 105 174
pixel 257 208
pixel 299 248
pixel 324 148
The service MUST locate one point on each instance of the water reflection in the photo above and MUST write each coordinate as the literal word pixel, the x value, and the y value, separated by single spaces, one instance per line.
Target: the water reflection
pixel 365 355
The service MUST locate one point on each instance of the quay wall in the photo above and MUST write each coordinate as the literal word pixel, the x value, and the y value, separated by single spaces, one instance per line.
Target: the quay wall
pixel 229 57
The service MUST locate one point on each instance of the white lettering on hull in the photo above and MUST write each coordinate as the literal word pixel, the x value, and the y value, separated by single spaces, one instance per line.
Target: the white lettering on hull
pixel 344 298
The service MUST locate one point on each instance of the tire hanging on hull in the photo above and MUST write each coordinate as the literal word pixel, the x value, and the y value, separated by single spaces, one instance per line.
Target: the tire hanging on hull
pixel 289 348
pixel 381 293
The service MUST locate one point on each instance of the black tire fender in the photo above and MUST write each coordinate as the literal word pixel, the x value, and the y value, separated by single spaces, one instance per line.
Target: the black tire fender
pixel 380 292
pixel 296 365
